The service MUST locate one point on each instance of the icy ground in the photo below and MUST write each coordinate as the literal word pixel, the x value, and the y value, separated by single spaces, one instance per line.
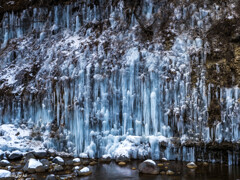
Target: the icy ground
pixel 13 138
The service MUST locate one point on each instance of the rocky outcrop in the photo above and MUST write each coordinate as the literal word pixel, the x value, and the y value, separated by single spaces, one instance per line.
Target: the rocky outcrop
pixel 148 167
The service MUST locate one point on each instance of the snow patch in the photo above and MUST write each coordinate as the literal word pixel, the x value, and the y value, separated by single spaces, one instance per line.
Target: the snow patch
pixel 150 161
pixel 33 163
pixel 5 173
pixel 85 170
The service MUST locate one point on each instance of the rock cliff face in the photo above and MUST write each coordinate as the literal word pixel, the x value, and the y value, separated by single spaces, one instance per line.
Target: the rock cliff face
pixel 132 79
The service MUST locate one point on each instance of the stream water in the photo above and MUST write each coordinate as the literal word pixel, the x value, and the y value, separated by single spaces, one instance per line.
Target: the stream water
pixel 113 171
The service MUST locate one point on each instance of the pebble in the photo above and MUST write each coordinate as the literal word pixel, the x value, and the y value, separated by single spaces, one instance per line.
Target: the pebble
pixel 169 172
pixel 191 165
pixel 122 163
pixel 162 173
pixel 93 163
pixel 160 164
pixel 205 164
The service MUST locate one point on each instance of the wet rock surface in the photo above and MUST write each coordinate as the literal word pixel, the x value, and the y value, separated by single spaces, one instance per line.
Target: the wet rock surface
pixel 15 155
pixel 44 169
pixel 148 167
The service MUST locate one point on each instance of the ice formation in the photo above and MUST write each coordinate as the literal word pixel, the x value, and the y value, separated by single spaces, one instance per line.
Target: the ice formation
pixel 107 92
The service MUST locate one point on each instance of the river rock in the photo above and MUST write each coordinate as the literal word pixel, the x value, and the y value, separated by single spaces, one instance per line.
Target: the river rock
pixel 84 172
pixel 58 160
pixel 191 165
pixel 4 174
pixel 33 166
pixel 122 163
pixel 4 163
pixel 69 162
pixel 169 172
pixel 40 154
pixel 105 158
pixel 148 167
pixel 51 152
pixel 205 164
pixel 51 177
pixel 28 156
pixel 45 163
pixel 57 168
pixel 15 155
pixel 76 161
pixel 164 159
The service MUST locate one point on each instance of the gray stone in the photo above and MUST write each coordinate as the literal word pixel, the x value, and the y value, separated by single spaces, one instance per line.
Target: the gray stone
pixel 58 160
pixel 33 166
pixel 40 154
pixel 28 156
pixel 45 163
pixel 4 163
pixel 51 177
pixel 57 168
pixel 148 167
pixel 15 155
pixel 40 169
pixel 105 159
pixel 51 152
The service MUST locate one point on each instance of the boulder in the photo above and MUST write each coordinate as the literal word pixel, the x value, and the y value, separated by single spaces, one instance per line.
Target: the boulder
pixel 191 165
pixel 76 168
pixel 28 156
pixel 40 154
pixel 45 163
pixel 57 168
pixel 84 172
pixel 169 172
pixel 148 167
pixel 52 152
pixel 105 158
pixel 4 174
pixel 33 166
pixel 58 160
pixel 76 161
pixel 15 155
pixel 164 159
pixel 40 169
pixel 4 163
